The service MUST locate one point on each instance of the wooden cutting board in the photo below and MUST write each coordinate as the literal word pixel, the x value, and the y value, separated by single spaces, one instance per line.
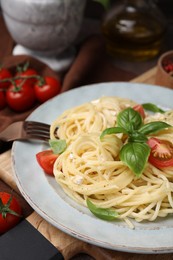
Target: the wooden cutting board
pixel 67 245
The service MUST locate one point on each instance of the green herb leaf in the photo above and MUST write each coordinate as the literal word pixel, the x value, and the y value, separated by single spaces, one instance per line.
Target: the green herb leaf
pixel 153 127
pixel 137 137
pixel 106 214
pixel 58 146
pixel 135 156
pixel 135 152
pixel 113 130
pixel 129 119
pixel 152 107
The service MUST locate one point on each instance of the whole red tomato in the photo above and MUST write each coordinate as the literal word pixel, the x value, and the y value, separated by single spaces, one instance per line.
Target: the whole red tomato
pixel 27 71
pixel 10 211
pixel 3 101
pixel 47 89
pixel 4 74
pixel 20 97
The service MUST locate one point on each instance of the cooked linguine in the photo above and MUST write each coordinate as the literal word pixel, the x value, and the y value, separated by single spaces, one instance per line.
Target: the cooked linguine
pixel 91 168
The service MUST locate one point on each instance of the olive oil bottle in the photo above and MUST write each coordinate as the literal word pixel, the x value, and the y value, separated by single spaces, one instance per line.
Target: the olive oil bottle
pixel 134 29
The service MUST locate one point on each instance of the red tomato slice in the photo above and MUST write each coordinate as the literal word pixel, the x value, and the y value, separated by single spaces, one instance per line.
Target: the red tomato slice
pixel 140 110
pixel 46 160
pixel 10 214
pixel 161 155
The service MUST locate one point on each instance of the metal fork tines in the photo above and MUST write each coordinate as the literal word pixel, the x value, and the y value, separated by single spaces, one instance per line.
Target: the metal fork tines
pixel 37 130
pixel 23 130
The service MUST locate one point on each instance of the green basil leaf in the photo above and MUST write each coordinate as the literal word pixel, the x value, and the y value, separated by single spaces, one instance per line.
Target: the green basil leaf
pixel 153 108
pixel 153 127
pixel 137 137
pixel 58 146
pixel 113 130
pixel 129 119
pixel 106 214
pixel 135 156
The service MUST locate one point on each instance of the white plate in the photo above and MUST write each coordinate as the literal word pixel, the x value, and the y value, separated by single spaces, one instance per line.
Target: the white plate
pixel 48 199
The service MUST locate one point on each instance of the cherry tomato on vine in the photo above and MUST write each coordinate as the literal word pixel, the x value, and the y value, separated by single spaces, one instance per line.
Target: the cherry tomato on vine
pixel 161 154
pixel 3 101
pixel 20 97
pixel 46 160
pixel 28 73
pixel 4 74
pixel 48 89
pixel 10 211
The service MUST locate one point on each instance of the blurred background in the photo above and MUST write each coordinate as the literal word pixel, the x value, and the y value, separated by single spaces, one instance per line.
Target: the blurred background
pixel 94 15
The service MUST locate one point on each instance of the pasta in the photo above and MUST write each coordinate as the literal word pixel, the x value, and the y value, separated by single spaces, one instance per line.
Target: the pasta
pixel 91 168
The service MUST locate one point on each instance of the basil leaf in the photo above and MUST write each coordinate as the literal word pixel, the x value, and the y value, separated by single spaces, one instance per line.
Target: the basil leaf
pixel 137 137
pixel 153 127
pixel 135 156
pixel 129 119
pixel 106 214
pixel 58 146
pixel 153 108
pixel 113 130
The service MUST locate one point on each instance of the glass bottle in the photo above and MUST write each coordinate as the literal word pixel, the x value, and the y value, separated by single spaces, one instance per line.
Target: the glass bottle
pixel 134 29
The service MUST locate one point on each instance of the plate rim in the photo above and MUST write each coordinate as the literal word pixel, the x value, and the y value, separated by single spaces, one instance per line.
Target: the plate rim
pixel 48 218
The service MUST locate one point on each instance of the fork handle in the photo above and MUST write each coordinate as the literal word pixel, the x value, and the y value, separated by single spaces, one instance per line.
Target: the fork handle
pixel 4 146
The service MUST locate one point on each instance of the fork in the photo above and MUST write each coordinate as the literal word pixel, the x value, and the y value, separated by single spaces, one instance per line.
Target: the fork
pixel 25 130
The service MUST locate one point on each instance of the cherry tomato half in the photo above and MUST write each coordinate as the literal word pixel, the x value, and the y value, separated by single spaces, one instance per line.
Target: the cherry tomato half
pixel 161 154
pixel 50 88
pixel 10 214
pixel 3 101
pixel 20 98
pixel 46 160
pixel 140 110
pixel 4 74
